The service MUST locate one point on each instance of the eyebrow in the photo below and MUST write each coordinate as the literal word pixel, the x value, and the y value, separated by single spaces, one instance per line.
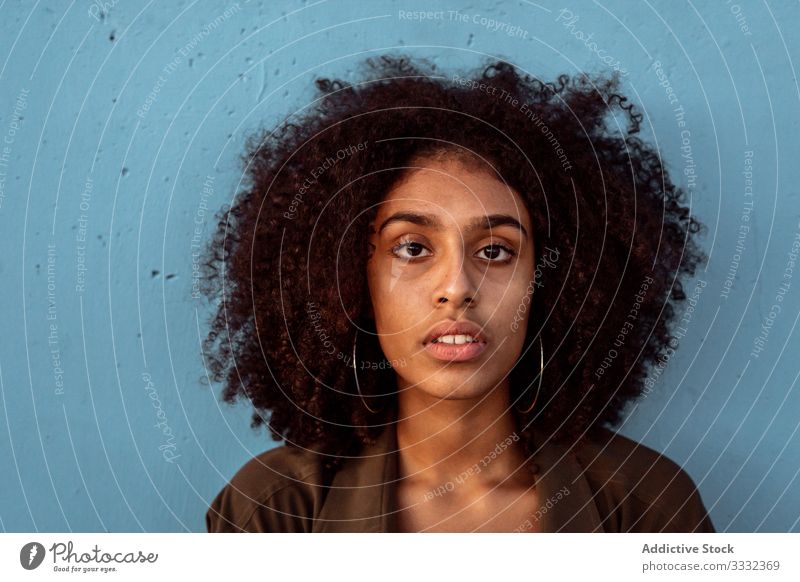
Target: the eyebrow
pixel 486 222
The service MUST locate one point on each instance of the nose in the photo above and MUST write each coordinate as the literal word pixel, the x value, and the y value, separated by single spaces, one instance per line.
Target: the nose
pixel 455 285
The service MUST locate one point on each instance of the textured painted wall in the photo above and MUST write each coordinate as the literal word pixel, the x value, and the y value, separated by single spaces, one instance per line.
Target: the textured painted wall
pixel 120 127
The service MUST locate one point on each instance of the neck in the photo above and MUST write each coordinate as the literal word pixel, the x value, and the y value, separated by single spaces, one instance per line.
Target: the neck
pixel 440 439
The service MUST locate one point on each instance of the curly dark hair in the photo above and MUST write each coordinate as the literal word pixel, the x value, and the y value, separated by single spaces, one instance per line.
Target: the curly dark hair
pixel 287 262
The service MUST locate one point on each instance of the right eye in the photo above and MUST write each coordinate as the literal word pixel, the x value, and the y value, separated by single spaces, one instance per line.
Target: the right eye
pixel 412 248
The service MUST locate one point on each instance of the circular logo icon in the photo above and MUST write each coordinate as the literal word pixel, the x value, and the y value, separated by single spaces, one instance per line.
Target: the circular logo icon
pixel 31 555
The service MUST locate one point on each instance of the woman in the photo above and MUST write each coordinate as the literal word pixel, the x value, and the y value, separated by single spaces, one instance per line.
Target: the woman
pixel 441 292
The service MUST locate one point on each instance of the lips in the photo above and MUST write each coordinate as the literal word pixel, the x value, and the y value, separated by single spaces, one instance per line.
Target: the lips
pixel 451 327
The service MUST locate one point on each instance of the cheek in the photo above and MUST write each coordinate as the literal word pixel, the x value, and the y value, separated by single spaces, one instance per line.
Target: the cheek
pixel 378 290
pixel 396 296
pixel 514 311
pixel 515 296
pixel 395 325
pixel 396 314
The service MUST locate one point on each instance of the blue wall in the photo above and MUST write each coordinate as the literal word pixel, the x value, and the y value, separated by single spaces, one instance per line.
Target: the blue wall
pixel 121 126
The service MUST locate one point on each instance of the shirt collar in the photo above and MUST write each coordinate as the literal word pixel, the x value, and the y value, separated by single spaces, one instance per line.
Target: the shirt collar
pixel 362 494
pixel 566 502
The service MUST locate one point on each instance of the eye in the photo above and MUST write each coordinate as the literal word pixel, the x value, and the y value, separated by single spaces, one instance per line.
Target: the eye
pixel 412 248
pixel 491 253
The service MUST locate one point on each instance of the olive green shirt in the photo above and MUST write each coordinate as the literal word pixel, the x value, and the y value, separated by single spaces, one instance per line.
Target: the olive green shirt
pixel 610 484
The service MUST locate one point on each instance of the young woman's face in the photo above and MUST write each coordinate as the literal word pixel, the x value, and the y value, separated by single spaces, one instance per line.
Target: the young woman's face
pixel 451 244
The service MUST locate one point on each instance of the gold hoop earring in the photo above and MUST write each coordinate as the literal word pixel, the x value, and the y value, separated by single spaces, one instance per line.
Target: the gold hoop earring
pixel 541 372
pixel 355 375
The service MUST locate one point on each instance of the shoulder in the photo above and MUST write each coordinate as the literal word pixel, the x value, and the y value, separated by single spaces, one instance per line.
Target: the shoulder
pixel 276 491
pixel 639 489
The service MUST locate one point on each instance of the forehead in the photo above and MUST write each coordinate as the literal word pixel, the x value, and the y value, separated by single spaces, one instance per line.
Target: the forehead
pixel 455 192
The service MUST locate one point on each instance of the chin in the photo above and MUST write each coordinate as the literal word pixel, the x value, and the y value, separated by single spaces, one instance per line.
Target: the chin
pixel 457 387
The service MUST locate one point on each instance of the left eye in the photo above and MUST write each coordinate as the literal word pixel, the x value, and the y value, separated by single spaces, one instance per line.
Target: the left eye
pixel 491 252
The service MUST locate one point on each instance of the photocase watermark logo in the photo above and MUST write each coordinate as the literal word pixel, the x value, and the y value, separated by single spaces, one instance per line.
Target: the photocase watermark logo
pixel 569 20
pixel 31 555
pixel 549 260
pixel 99 9
pixel 94 560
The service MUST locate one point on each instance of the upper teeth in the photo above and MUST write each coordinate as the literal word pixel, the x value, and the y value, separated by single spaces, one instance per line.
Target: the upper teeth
pixel 455 339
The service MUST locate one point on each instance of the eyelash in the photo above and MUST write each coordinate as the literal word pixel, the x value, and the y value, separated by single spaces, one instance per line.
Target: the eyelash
pixel 395 249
